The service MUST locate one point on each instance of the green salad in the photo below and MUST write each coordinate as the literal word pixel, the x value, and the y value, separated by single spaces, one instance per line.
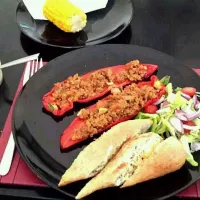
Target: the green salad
pixel 177 113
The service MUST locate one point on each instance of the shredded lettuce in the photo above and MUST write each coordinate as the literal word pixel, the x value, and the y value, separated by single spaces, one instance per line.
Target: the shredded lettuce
pixel 176 100
pixel 157 126
pixel 165 110
pixel 154 125
pixel 169 88
pixel 197 121
pixel 162 126
pixel 177 89
pixel 194 136
pixel 189 107
pixel 170 128
pixel 165 80
pixel 191 160
pixel 154 117
pixel 142 115
pixel 179 101
pixel 190 157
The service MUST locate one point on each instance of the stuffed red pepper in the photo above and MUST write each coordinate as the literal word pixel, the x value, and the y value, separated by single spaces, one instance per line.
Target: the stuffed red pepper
pixel 121 105
pixel 94 85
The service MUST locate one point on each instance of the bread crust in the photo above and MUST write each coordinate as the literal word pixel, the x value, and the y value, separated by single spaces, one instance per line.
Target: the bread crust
pixel 96 155
pixel 123 164
pixel 168 156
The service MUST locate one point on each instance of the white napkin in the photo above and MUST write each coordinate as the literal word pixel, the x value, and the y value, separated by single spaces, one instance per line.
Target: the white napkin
pixel 35 7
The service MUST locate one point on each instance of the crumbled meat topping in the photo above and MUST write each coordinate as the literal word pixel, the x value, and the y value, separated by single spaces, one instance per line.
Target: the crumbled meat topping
pixel 132 72
pixel 124 104
pixel 76 87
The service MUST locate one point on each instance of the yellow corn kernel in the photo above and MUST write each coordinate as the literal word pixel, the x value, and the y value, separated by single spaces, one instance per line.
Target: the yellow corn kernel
pixel 65 15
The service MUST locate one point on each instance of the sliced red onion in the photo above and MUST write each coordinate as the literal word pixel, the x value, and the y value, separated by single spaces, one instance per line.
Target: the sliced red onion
pixel 180 112
pixel 185 96
pixel 192 116
pixel 187 114
pixel 163 104
pixel 191 128
pixel 160 100
pixel 196 102
pixel 188 110
pixel 181 115
pixel 198 106
pixel 177 124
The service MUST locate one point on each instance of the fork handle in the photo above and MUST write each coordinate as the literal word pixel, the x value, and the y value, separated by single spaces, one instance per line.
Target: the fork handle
pixel 7 156
pixel 21 60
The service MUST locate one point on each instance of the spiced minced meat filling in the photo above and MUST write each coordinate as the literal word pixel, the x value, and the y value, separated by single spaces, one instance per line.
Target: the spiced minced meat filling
pixel 120 104
pixel 133 72
pixel 75 87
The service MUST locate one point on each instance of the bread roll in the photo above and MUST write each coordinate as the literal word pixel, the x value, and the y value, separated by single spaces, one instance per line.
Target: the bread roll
pixel 123 165
pixel 96 155
pixel 168 156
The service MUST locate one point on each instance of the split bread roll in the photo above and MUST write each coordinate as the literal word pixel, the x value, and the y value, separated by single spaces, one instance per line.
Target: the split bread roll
pixel 168 156
pixel 123 165
pixel 97 154
pixel 139 160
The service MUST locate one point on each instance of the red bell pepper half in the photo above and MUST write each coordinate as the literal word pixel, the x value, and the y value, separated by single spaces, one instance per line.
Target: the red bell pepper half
pixel 55 110
pixel 66 137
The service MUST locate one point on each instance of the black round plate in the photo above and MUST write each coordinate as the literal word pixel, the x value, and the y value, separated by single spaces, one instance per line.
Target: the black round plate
pixel 37 133
pixel 102 25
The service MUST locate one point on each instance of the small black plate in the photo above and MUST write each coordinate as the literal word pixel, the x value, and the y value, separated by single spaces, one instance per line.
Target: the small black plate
pixel 102 25
pixel 37 134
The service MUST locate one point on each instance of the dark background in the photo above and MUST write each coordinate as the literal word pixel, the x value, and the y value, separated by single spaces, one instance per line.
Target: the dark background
pixel 170 26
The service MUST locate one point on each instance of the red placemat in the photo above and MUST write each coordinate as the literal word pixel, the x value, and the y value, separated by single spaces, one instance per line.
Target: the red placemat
pixel 20 174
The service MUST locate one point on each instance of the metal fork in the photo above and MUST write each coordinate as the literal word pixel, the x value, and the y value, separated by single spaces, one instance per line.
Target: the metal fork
pixel 31 69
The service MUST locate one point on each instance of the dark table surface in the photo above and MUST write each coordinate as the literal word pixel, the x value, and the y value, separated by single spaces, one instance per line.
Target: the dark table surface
pixel 170 26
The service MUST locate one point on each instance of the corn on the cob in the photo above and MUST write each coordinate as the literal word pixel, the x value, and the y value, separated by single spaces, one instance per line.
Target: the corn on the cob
pixel 65 15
